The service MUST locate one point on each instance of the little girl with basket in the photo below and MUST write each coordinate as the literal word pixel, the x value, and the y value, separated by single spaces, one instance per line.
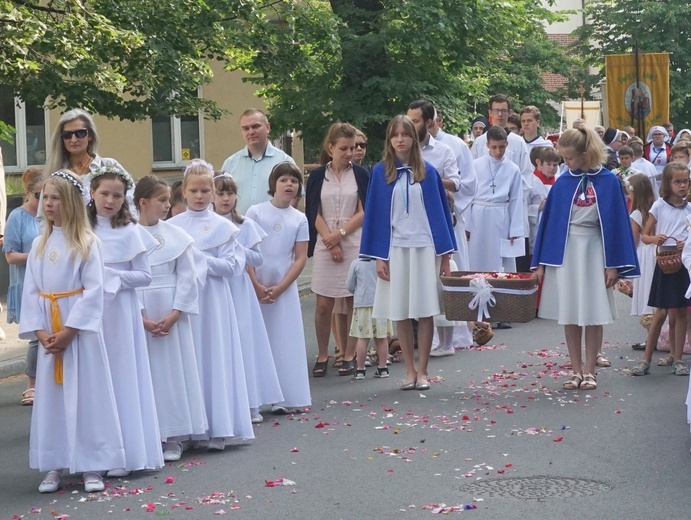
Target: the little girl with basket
pixel 668 228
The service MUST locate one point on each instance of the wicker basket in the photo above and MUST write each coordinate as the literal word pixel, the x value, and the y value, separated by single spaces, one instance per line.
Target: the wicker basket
pixel 669 259
pixel 514 308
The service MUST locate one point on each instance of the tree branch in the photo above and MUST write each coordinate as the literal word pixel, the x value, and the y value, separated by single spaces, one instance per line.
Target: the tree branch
pixel 36 7
pixel 233 18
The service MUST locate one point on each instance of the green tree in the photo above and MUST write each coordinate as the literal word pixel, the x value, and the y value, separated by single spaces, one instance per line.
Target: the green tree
pixel 520 74
pixel 375 56
pixel 615 26
pixel 120 58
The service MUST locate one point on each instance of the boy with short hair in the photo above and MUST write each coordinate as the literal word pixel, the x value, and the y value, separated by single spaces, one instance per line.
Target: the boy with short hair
pixel 513 124
pixel 496 213
pixel 625 164
pixel 546 161
pixel 681 152
pixel 530 123
pixel 641 164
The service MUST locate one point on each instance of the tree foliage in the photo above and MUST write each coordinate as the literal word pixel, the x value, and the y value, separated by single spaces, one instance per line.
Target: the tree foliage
pixel 127 58
pixel 376 56
pixel 315 61
pixel 615 26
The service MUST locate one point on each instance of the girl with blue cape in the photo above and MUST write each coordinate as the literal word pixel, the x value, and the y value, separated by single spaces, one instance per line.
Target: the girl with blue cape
pixel 583 246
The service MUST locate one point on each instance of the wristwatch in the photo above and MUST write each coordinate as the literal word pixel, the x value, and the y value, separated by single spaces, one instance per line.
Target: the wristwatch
pixel 342 231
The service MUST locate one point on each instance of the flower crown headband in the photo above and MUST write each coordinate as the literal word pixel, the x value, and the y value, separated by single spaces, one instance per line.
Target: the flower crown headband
pixel 197 162
pixel 223 175
pixel 111 167
pixel 70 179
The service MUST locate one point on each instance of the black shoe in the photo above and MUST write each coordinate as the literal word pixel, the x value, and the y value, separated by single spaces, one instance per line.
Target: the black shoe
pixel 381 372
pixel 503 325
pixel 638 346
pixel 347 368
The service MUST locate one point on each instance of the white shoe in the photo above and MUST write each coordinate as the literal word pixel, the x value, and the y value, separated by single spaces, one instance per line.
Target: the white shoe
pixel 50 483
pixel 441 353
pixel 93 482
pixel 256 417
pixel 2 335
pixel 217 444
pixel 172 451
pixel 277 409
pixel 116 473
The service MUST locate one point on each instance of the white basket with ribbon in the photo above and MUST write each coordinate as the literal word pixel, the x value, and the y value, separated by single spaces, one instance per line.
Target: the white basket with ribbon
pixel 470 298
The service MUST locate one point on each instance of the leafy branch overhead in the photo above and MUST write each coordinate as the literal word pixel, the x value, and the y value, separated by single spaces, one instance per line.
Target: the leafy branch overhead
pixel 315 61
pixel 121 58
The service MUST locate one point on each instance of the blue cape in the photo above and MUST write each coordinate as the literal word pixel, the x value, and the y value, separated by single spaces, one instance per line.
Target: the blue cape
pixel 376 228
pixel 617 237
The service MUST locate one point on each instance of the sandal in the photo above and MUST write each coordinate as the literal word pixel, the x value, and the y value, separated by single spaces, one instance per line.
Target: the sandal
pixel 680 369
pixel 27 397
pixel 602 361
pixel 665 361
pixel 338 362
pixel 573 383
pixel 641 368
pixel 347 368
pixel 320 368
pixel 589 382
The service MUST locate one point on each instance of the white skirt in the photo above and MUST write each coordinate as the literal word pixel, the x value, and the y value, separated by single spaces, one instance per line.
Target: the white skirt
pixel 575 293
pixel 414 289
pixel 641 286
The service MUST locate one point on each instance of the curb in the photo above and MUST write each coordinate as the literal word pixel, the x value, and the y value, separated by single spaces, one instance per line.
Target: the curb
pixel 12 367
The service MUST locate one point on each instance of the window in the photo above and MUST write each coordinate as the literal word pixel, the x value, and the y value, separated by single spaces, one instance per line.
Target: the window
pixel 30 138
pixel 176 140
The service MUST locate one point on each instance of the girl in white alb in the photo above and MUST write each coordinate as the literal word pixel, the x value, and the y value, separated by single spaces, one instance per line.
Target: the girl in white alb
pixel 125 247
pixel 642 197
pixel 74 421
pixel 218 258
pixel 167 304
pixel 275 281
pixel 263 387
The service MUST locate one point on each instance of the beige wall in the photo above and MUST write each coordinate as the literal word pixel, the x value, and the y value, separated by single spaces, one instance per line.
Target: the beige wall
pixel 131 142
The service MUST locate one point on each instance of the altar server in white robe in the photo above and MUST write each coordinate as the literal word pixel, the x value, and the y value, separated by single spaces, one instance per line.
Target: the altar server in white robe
pixel 275 281
pixel 263 386
pixel 125 247
pixel 167 304
pixel 74 422
pixel 218 258
pixel 496 212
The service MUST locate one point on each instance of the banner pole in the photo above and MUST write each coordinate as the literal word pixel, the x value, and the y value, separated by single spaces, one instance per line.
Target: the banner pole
pixel 639 113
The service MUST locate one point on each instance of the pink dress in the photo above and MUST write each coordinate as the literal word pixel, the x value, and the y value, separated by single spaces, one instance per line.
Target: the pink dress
pixel 339 200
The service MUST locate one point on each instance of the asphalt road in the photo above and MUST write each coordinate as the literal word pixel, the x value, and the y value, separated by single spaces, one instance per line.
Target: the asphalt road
pixel 495 432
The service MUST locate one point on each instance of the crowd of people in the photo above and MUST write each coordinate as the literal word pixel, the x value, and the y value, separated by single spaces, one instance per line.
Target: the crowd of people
pixel 180 303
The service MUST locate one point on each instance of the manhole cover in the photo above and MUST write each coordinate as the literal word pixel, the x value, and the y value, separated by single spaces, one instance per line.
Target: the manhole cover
pixel 536 488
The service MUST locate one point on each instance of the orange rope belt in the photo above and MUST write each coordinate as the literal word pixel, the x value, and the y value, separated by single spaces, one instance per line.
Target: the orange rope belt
pixel 56 324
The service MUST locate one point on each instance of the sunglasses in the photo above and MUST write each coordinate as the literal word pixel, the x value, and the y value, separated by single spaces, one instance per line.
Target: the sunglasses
pixel 361 145
pixel 80 134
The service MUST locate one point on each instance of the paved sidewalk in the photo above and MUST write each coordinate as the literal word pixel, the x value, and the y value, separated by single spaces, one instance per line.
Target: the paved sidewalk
pixel 13 349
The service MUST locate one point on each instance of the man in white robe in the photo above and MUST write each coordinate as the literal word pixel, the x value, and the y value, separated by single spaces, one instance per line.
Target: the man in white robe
pixel 497 212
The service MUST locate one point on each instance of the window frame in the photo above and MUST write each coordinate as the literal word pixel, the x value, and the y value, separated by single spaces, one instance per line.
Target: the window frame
pixel 176 136
pixel 20 138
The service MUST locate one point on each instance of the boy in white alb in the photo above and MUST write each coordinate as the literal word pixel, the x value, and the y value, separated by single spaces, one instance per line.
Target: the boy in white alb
pixel 496 212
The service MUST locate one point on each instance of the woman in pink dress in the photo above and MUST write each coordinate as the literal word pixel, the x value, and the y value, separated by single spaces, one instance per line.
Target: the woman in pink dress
pixel 334 208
